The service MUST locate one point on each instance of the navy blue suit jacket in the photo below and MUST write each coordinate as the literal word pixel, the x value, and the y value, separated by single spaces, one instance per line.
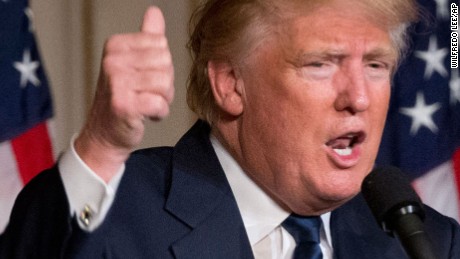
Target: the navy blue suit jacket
pixel 175 202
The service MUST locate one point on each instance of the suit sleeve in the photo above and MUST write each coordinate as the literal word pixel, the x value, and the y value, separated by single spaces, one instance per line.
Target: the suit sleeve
pixel 455 249
pixel 40 223
pixel 444 233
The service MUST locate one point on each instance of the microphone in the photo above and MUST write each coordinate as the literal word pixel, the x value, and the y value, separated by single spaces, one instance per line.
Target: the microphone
pixel 398 210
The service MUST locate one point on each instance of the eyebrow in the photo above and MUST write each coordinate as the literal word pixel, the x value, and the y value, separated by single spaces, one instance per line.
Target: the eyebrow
pixel 327 53
pixel 386 53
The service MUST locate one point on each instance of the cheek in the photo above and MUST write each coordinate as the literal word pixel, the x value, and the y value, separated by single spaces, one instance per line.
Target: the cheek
pixel 278 106
pixel 378 111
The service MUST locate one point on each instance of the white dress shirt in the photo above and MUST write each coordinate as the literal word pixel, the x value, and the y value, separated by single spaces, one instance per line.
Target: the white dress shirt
pixel 262 216
pixel 86 190
pixel 90 199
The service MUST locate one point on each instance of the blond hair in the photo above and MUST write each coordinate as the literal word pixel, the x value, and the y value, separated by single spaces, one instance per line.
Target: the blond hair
pixel 229 30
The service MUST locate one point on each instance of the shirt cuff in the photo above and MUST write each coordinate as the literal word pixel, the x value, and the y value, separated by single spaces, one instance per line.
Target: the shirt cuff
pixel 90 198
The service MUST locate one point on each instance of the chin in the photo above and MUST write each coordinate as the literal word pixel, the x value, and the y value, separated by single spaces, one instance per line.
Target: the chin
pixel 325 200
pixel 342 184
pixel 339 194
pixel 324 205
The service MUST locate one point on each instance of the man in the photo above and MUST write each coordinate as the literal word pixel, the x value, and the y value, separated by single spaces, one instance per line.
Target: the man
pixel 293 97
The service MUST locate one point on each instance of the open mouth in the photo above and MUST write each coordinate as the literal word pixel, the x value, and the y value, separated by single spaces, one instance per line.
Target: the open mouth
pixel 343 145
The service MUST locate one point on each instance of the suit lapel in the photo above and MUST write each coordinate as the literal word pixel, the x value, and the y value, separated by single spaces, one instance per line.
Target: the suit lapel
pixel 356 234
pixel 201 198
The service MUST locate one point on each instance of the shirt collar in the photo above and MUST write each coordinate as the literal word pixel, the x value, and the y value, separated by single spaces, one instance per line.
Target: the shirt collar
pixel 261 214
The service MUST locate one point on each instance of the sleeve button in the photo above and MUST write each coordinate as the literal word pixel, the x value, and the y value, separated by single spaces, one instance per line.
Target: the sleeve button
pixel 86 215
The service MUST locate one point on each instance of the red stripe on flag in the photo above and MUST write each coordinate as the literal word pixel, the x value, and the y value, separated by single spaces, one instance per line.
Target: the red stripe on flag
pixel 456 162
pixel 33 152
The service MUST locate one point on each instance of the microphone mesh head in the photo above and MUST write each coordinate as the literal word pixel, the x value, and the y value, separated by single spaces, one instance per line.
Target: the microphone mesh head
pixel 387 190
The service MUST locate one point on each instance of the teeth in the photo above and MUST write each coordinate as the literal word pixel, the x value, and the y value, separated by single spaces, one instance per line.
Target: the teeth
pixel 343 151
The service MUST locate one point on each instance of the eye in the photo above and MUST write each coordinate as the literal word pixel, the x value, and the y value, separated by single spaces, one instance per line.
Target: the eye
pixel 318 70
pixel 316 64
pixel 378 65
pixel 378 69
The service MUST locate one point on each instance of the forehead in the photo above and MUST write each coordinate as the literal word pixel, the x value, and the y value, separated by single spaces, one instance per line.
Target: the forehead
pixel 331 23
pixel 373 10
pixel 333 28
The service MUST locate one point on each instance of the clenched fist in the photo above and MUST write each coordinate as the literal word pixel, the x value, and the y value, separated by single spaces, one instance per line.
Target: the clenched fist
pixel 135 83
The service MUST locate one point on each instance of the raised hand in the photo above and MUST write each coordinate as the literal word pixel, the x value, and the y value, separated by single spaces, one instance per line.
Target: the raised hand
pixel 135 83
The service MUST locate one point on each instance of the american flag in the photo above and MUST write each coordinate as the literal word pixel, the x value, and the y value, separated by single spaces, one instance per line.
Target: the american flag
pixel 422 135
pixel 25 105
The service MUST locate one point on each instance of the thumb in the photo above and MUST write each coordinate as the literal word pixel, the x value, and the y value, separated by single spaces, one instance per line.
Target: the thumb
pixel 153 22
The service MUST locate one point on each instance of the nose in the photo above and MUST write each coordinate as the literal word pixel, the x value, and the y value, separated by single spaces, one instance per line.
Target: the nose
pixel 353 91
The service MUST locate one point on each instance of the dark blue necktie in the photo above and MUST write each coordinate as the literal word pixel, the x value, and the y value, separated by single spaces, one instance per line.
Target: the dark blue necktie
pixel 305 231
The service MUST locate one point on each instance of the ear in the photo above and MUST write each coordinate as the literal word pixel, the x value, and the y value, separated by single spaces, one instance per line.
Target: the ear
pixel 227 87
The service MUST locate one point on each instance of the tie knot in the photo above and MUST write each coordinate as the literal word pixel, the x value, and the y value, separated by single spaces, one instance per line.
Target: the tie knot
pixel 303 229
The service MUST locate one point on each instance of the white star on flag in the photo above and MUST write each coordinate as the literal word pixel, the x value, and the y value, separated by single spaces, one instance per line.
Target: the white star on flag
pixel 28 70
pixel 441 9
pixel 454 87
pixel 434 58
pixel 30 16
pixel 421 114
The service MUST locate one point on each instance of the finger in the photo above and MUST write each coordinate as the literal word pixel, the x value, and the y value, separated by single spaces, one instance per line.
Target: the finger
pixel 154 21
pixel 152 106
pixel 156 82
pixel 159 82
pixel 135 41
pixel 140 60
pixel 132 106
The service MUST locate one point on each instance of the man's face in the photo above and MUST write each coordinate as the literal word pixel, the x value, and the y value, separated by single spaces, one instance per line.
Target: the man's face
pixel 315 102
